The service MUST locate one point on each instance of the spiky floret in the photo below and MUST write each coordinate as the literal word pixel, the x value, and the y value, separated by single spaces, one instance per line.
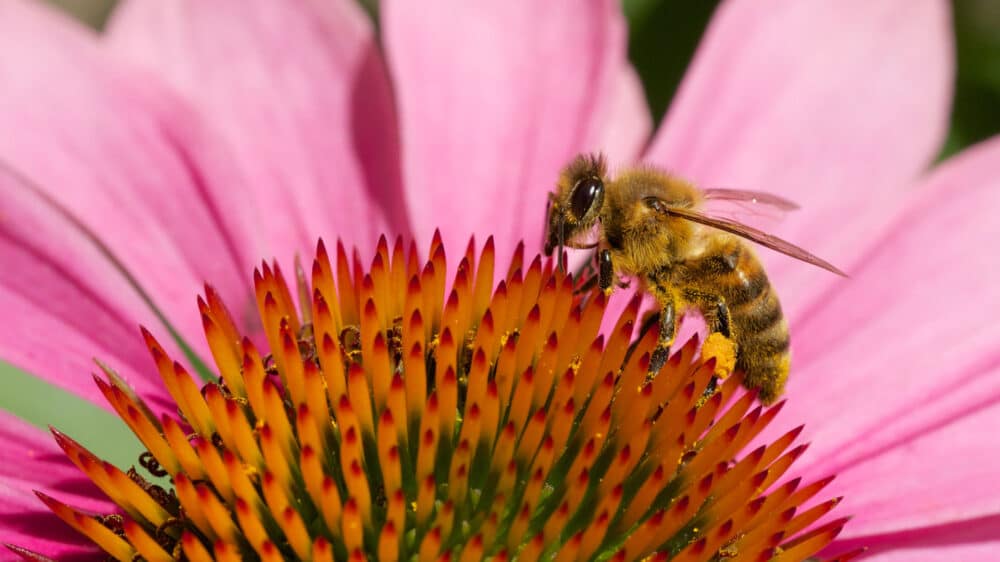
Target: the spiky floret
pixel 390 422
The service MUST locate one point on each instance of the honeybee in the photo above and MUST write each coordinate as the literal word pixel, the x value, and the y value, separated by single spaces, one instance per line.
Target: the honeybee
pixel 649 225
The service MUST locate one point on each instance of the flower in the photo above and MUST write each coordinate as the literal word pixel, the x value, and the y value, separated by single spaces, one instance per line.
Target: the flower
pixel 391 422
pixel 195 137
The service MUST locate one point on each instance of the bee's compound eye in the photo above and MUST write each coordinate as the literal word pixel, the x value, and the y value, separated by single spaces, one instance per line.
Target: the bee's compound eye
pixel 584 194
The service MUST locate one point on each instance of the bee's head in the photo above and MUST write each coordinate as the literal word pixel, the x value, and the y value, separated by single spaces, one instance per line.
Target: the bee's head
pixel 576 205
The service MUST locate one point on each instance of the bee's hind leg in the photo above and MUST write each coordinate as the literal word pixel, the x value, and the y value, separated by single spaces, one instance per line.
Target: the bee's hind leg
pixel 720 343
pixel 722 327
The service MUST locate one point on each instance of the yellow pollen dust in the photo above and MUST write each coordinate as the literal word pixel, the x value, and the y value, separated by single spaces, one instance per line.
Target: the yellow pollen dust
pixel 400 412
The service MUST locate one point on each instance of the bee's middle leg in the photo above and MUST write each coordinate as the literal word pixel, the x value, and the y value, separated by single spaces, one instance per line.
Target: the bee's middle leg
pixel 668 328
pixel 722 319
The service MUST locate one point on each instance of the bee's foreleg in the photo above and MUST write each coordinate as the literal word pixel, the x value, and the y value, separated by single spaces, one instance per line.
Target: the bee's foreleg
pixel 668 326
pixel 606 270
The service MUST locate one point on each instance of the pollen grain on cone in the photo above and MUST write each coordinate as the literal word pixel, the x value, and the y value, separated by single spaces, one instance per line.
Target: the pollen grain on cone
pixel 397 414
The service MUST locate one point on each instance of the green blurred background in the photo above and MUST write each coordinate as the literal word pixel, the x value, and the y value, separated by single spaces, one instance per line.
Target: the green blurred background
pixel 663 36
pixel 674 27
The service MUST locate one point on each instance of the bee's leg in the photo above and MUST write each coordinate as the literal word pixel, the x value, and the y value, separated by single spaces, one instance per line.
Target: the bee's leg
pixel 722 318
pixel 668 326
pixel 717 319
pixel 606 270
pixel 552 240
pixel 714 309
pixel 722 327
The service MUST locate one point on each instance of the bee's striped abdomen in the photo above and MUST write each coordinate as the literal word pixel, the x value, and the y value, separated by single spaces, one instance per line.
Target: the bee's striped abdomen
pixel 756 322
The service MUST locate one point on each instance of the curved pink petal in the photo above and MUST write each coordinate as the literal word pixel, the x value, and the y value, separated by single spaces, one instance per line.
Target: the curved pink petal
pixel 966 552
pixel 969 541
pixel 836 105
pixel 65 303
pixel 945 474
pixel 299 94
pixel 30 460
pixel 494 98
pixel 894 365
pixel 117 154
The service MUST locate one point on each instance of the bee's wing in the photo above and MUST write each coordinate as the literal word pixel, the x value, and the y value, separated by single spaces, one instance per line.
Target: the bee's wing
pixel 758 236
pixel 754 198
pixel 756 208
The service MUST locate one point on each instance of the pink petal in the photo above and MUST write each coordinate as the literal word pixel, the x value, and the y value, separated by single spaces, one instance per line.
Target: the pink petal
pixel 119 156
pixel 64 302
pixel 299 94
pixel 30 460
pixel 494 98
pixel 892 367
pixel 966 552
pixel 624 125
pixel 968 541
pixel 946 474
pixel 836 106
